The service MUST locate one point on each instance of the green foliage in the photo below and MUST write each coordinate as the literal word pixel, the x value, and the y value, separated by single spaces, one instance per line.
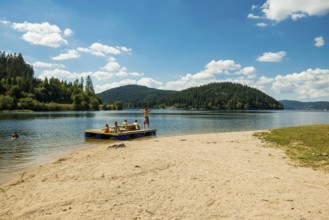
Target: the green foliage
pixel 6 103
pixel 20 90
pixel 134 96
pixel 307 145
pixel 214 96
pixel 222 96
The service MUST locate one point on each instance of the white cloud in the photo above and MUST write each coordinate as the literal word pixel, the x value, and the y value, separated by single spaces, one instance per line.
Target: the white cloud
pixel 279 10
pixel 136 74
pixel 59 73
pixel 68 32
pixel 248 71
pixel 253 7
pixel 47 65
pixel 71 54
pixel 272 57
pixel 5 22
pixel 98 49
pixel 252 16
pixel 125 49
pixel 43 34
pixel 104 87
pixel 319 41
pixel 149 82
pixel 261 24
pixel 221 66
pixel 309 84
pixel 209 74
pixel 111 66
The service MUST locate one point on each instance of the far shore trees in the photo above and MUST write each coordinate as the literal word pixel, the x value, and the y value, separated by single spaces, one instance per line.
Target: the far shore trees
pixel 20 90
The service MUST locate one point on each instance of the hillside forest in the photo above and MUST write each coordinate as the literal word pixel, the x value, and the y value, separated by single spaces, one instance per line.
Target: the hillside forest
pixel 20 90
pixel 213 96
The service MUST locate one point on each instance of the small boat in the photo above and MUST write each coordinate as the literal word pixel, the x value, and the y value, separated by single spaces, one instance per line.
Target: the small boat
pixel 120 135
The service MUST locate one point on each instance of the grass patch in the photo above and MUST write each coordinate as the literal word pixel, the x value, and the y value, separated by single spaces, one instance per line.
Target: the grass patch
pixel 306 145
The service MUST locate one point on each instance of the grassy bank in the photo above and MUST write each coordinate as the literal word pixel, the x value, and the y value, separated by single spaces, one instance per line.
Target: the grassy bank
pixel 306 145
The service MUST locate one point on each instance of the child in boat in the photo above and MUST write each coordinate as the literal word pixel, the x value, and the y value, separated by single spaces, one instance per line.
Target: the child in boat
pixel 136 125
pixel 106 129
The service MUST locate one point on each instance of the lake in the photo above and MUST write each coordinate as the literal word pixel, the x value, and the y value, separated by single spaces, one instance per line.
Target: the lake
pixel 46 135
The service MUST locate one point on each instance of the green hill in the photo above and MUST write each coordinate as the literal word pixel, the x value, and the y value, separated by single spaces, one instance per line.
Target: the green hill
pixel 222 96
pixel 296 105
pixel 214 96
pixel 134 96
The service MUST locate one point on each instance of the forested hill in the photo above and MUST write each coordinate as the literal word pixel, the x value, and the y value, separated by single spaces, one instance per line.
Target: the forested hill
pixel 296 105
pixel 222 96
pixel 214 96
pixel 134 96
pixel 20 90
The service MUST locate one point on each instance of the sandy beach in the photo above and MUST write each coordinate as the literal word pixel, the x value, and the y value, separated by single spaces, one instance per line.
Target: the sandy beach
pixel 208 176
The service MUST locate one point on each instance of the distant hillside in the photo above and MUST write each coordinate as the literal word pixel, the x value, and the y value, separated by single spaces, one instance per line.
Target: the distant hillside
pixel 134 96
pixel 222 96
pixel 214 96
pixel 296 105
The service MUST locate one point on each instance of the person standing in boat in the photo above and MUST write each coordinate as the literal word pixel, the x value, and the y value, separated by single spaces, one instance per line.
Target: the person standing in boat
pixel 116 127
pixel 146 112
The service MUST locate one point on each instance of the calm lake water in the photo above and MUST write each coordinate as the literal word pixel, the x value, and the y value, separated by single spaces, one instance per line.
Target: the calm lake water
pixel 46 135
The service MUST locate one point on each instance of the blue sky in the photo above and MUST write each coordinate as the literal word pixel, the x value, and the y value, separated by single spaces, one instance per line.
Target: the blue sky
pixel 277 46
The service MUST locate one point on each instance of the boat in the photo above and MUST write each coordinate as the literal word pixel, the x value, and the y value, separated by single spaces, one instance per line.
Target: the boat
pixel 124 133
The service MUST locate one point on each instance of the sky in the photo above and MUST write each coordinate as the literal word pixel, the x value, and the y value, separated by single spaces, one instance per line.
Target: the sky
pixel 280 47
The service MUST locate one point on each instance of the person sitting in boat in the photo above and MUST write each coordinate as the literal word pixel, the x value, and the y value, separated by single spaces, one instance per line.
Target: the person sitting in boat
pixel 106 129
pixel 15 135
pixel 116 127
pixel 125 123
pixel 136 125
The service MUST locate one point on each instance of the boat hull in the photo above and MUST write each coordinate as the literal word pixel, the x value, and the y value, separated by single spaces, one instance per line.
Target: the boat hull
pixel 124 135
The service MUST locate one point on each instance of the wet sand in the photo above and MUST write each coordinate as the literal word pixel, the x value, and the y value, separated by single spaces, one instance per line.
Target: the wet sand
pixel 206 176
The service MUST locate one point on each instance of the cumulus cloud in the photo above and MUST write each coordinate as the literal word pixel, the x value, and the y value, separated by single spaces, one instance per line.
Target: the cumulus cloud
pixel 70 54
pixel 248 71
pixel 111 66
pixel 47 65
pixel 59 73
pixel 68 32
pixel 210 74
pixel 43 34
pixel 319 41
pixel 98 49
pixel 125 49
pixel 272 57
pixel 308 84
pixel 261 24
pixel 279 10
pixel 149 82
pixel 252 16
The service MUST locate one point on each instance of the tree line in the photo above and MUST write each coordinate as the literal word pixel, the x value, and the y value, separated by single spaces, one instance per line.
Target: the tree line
pixel 20 90
pixel 213 96
pixel 222 96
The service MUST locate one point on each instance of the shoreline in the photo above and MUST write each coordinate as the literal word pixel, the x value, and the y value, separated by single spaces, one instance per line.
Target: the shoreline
pixel 206 176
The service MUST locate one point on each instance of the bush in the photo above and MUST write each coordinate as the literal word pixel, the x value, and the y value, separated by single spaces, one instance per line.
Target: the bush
pixel 7 103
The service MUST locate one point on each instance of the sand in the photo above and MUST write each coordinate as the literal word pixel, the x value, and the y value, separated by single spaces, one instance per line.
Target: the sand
pixel 208 176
